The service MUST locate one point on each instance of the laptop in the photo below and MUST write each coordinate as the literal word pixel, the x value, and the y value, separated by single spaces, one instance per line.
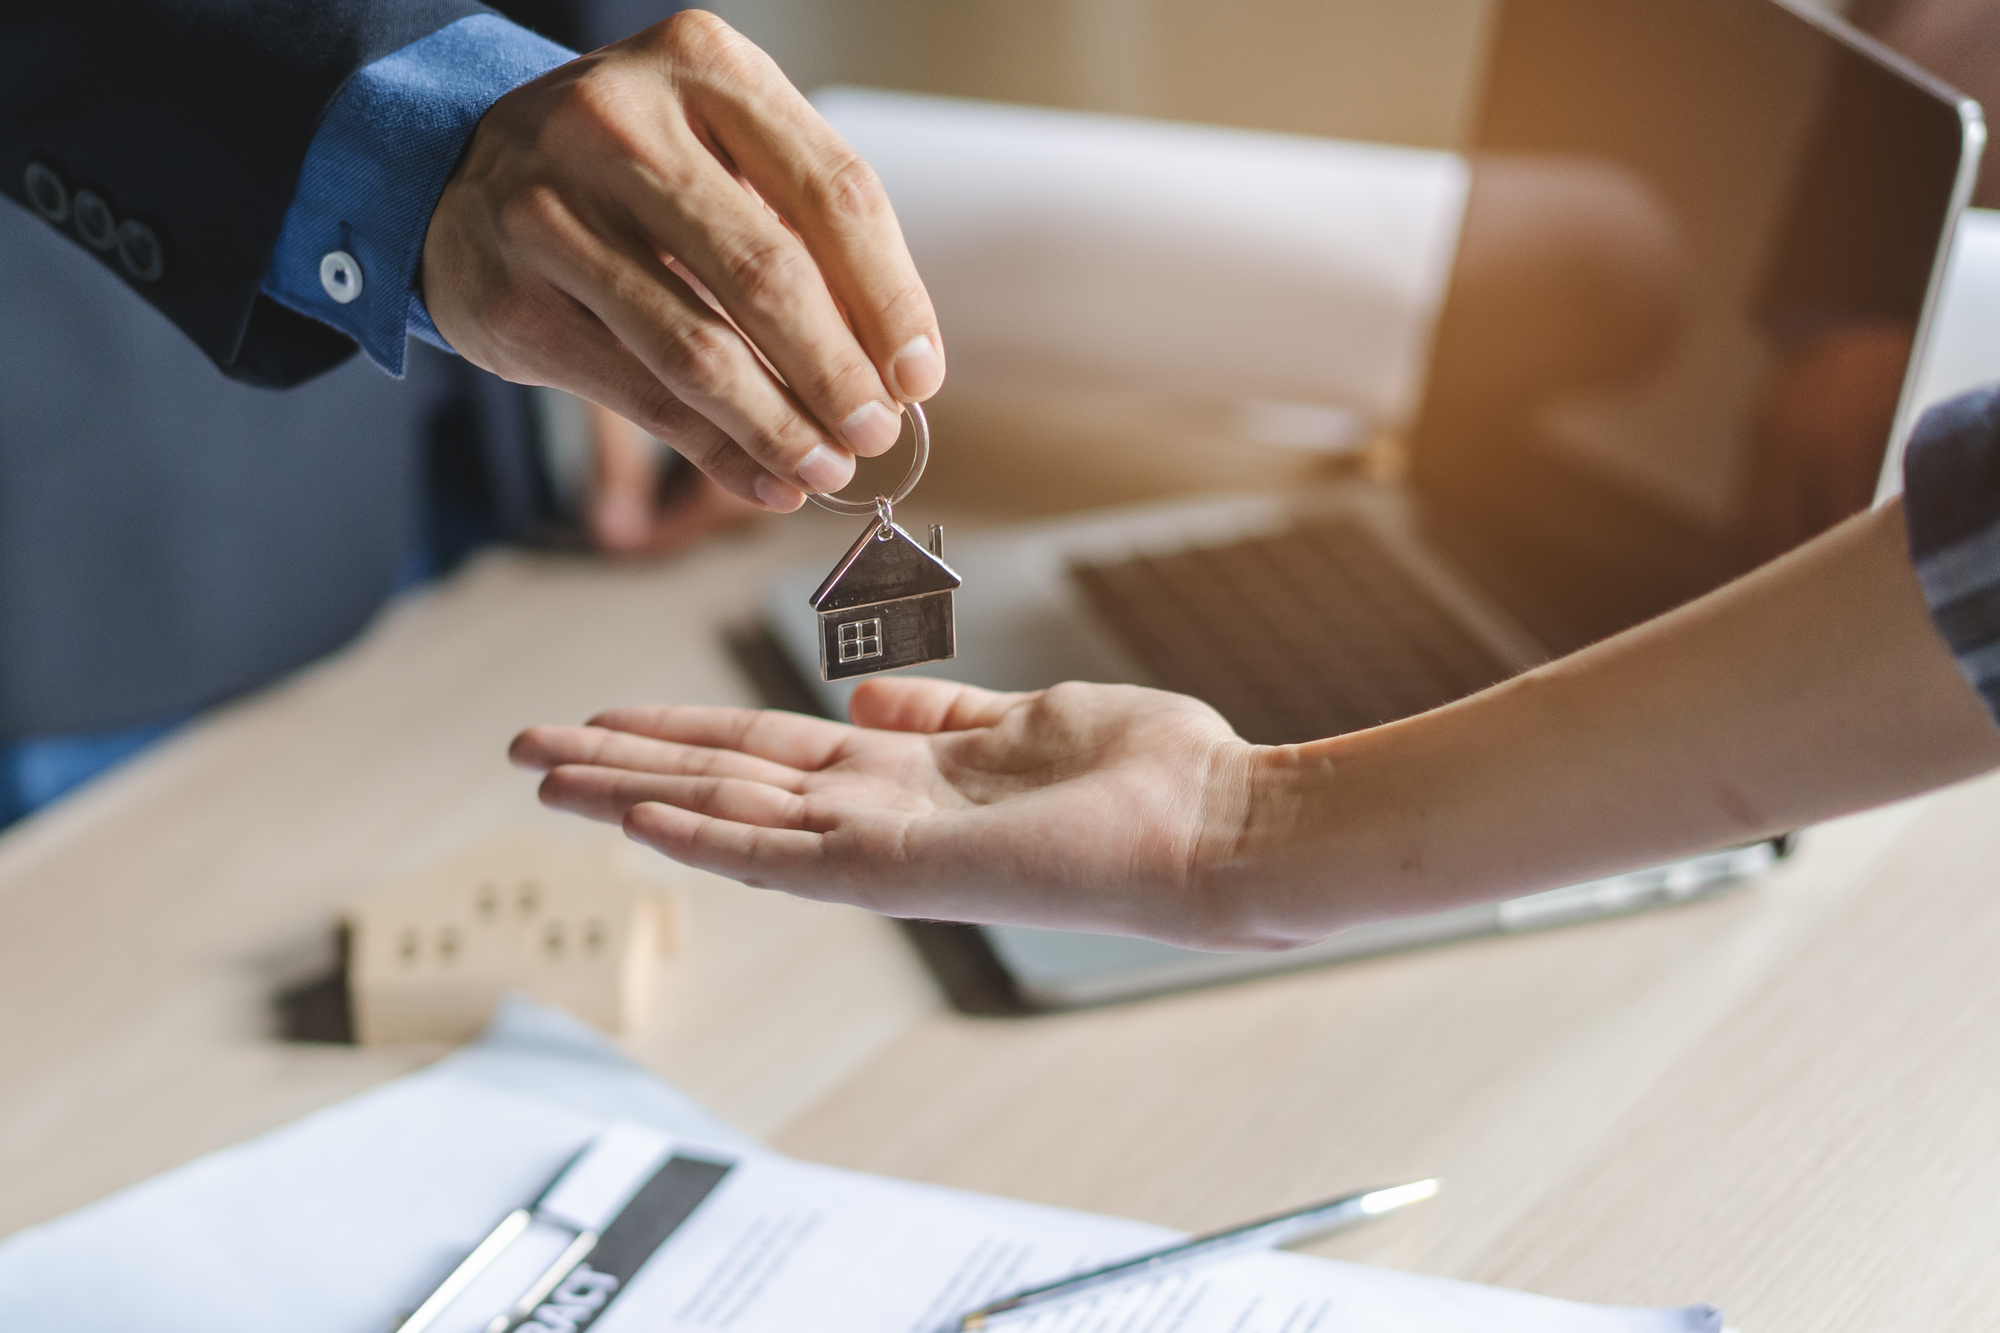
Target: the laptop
pixel 1696 258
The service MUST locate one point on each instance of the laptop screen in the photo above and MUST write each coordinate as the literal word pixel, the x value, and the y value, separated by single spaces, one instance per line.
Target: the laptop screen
pixel 1694 263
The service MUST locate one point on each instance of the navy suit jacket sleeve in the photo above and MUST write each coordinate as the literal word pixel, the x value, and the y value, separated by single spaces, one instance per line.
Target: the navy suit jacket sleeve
pixel 189 120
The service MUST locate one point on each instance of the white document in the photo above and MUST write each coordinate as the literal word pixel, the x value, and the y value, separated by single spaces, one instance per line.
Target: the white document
pixel 349 1218
pixel 780 1246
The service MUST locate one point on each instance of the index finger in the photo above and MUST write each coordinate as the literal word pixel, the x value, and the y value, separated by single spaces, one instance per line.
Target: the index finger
pixel 791 739
pixel 832 199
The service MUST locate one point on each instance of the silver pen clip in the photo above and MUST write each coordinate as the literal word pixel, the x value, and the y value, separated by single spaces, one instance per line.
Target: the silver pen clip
pixel 483 1254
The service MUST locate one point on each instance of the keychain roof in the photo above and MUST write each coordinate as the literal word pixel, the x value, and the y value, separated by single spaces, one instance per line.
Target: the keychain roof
pixel 884 563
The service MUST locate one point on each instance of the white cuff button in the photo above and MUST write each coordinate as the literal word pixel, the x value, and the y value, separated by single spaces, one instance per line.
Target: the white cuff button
pixel 340 274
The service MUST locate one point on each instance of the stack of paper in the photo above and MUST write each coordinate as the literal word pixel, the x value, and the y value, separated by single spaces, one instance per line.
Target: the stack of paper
pixel 348 1219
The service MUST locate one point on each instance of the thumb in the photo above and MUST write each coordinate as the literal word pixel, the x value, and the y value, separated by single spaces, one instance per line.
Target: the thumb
pixel 913 703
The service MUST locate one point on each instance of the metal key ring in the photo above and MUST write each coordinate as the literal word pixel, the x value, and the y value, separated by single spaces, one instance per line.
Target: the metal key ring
pixel 922 431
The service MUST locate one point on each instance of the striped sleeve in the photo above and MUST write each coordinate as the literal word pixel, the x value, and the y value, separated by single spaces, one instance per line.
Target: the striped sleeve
pixel 1951 503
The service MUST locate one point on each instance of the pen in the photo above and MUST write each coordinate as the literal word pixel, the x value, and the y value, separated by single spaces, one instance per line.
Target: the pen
pixel 1333 1215
pixel 483 1254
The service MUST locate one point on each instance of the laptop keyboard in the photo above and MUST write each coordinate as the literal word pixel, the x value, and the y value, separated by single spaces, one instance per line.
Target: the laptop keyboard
pixel 1291 637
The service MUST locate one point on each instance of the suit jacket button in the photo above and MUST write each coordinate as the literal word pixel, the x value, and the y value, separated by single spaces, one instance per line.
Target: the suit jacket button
pixel 340 274
pixel 95 221
pixel 139 251
pixel 47 193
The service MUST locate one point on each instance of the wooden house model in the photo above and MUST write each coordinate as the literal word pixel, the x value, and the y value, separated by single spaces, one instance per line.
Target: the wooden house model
pixel 568 922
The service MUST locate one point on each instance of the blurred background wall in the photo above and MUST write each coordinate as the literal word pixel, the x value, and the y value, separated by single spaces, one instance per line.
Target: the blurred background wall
pixel 1388 71
pixel 1392 71
pixel 1396 71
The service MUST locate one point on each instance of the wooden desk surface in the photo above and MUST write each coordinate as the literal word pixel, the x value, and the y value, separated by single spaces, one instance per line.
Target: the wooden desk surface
pixel 1786 1101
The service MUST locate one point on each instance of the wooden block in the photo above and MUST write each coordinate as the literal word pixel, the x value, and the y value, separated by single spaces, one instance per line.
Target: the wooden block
pixel 572 924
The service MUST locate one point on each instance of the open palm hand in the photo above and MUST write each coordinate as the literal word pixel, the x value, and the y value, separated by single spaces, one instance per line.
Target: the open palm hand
pixel 1092 807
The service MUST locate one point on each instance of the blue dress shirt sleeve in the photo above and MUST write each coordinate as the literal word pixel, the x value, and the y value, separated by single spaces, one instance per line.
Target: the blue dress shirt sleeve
pixel 1951 504
pixel 354 234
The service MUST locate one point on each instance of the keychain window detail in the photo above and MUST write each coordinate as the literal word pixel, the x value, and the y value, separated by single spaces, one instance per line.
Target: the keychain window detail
pixel 860 639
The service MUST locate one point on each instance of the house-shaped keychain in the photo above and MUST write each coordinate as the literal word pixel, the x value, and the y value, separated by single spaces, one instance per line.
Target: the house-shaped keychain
pixel 888 603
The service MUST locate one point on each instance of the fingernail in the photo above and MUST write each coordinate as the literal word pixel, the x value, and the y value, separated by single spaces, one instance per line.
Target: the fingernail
pixel 826 469
pixel 916 369
pixel 871 429
pixel 777 495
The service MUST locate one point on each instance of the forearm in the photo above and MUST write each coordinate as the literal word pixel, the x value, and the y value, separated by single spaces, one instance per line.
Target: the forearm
pixel 1816 685
pixel 1812 687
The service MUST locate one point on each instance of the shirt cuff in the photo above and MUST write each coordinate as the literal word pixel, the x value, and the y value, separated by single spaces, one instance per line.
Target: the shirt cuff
pixel 1951 506
pixel 354 235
